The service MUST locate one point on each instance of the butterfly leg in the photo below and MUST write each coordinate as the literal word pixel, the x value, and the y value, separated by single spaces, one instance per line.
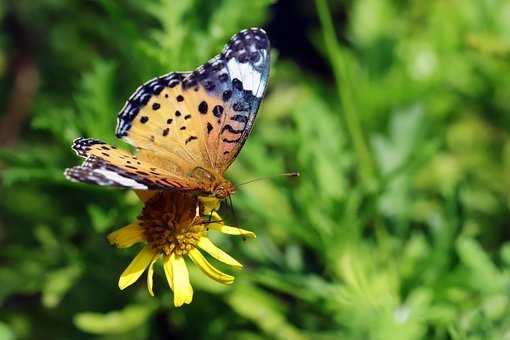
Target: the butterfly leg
pixel 210 215
pixel 229 202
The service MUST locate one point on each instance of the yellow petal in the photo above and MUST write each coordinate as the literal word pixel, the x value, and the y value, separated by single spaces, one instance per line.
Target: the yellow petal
pixel 150 274
pixel 167 266
pixel 208 269
pixel 207 245
pixel 225 229
pixel 145 195
pixel 183 292
pixel 126 236
pixel 136 267
pixel 214 216
pixel 209 204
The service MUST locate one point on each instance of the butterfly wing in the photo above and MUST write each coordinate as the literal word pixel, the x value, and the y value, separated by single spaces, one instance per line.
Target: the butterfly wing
pixel 155 121
pixel 182 122
pixel 200 119
pixel 227 92
pixel 107 165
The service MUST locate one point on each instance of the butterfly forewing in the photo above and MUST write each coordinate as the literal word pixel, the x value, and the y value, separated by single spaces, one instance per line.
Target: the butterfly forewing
pixel 201 118
pixel 156 119
pixel 227 91
pixel 185 123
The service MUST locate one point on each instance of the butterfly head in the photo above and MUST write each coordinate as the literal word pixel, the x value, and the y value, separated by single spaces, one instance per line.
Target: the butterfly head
pixel 223 189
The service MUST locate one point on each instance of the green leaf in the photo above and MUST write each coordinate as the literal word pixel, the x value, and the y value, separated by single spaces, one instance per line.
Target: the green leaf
pixel 114 322
pixel 58 283
pixel 96 108
pixel 265 311
pixel 483 273
pixel 101 218
pixel 5 332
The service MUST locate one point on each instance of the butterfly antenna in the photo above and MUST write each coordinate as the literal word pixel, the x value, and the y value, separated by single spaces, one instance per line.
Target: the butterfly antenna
pixel 287 174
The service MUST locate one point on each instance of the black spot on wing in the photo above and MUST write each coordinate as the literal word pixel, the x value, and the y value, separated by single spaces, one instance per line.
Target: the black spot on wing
pixel 190 138
pixel 237 84
pixel 237 140
pixel 203 107
pixel 230 129
pixel 209 85
pixel 217 111
pixel 240 118
pixel 226 95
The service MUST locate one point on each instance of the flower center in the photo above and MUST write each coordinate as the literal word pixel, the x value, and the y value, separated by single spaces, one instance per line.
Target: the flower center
pixel 171 226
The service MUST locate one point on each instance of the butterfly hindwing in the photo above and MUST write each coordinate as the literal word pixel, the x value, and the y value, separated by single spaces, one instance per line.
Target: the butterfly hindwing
pixel 96 171
pixel 107 165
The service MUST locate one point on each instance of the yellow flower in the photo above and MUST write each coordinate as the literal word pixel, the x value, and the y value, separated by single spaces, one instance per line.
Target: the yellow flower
pixel 174 225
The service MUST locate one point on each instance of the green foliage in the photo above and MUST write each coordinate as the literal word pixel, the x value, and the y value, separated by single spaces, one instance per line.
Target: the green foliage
pixel 114 322
pixel 396 228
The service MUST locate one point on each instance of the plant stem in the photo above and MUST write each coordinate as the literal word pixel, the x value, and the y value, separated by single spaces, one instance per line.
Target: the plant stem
pixel 342 69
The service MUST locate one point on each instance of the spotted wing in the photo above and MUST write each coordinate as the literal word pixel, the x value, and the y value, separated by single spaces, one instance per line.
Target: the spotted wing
pixel 155 120
pixel 227 92
pixel 107 165
pixel 202 118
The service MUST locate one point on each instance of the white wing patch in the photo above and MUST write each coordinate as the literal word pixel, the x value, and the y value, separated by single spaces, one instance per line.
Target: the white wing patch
pixel 122 181
pixel 249 74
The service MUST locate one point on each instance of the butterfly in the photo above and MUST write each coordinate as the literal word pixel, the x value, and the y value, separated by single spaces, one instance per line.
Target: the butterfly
pixel 188 127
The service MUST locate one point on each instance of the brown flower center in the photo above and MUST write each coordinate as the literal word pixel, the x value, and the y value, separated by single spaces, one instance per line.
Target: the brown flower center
pixel 171 225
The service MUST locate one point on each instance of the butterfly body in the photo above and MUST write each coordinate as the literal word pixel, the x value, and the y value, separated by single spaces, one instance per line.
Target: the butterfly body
pixel 188 127
pixel 215 185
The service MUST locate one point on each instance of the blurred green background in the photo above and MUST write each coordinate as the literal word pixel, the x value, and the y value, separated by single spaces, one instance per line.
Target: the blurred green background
pixel 396 113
